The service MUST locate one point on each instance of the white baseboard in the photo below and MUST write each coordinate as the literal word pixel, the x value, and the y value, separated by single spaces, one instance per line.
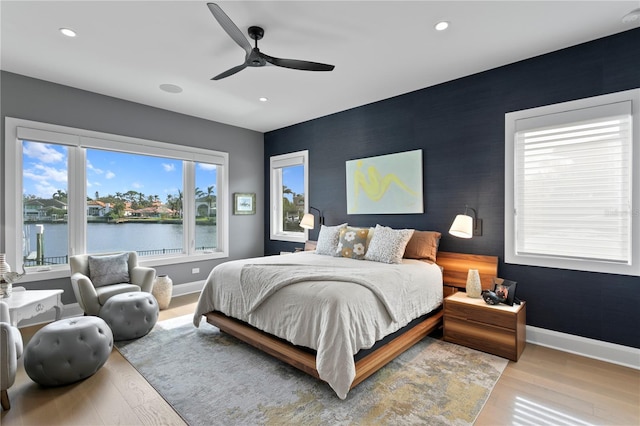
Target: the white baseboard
pixel 188 288
pixel 74 310
pixel 590 348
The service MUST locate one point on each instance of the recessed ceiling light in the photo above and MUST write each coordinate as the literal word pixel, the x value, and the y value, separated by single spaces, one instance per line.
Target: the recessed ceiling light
pixel 171 88
pixel 263 99
pixel 442 25
pixel 631 17
pixel 68 32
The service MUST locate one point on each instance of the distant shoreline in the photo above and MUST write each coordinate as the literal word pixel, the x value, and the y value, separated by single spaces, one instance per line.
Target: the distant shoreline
pixel 211 221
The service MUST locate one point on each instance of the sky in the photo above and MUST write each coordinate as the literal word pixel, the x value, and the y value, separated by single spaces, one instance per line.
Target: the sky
pixel 45 172
pixel 293 178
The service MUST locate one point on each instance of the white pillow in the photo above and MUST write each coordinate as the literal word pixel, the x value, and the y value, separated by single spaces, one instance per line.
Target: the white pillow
pixel 110 269
pixel 387 245
pixel 328 239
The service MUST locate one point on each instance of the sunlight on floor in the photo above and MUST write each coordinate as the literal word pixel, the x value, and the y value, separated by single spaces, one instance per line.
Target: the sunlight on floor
pixel 527 412
pixel 175 322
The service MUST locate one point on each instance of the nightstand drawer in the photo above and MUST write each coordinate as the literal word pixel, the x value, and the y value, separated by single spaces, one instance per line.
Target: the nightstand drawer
pixel 480 314
pixel 497 329
pixel 496 340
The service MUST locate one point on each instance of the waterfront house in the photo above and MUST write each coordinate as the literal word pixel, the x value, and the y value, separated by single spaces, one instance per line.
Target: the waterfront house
pixel 43 210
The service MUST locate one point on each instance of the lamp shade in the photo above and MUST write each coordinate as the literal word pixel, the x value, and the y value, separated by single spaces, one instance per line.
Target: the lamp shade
pixel 308 221
pixel 462 226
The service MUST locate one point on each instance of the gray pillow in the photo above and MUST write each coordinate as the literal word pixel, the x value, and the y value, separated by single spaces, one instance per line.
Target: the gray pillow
pixel 387 245
pixel 328 239
pixel 110 269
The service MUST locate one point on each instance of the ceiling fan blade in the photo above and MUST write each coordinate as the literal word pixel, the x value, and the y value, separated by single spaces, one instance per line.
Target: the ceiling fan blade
pixel 229 72
pixel 227 24
pixel 297 64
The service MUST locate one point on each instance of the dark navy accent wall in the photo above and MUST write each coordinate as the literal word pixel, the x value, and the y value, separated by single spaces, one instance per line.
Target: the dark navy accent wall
pixel 459 125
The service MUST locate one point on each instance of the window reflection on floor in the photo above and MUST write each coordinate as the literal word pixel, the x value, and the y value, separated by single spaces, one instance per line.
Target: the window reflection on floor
pixel 176 322
pixel 527 412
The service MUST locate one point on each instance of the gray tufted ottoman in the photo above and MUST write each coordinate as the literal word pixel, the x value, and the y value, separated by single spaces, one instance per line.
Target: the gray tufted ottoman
pixel 67 351
pixel 130 315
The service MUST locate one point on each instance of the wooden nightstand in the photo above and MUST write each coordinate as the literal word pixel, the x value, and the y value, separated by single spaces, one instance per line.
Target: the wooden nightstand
pixel 497 329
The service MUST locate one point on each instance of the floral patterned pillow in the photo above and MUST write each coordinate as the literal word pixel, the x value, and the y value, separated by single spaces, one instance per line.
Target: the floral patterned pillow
pixel 387 245
pixel 352 242
pixel 328 239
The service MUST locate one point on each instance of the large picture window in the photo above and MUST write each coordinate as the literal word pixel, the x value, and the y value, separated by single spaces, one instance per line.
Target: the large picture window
pixel 570 198
pixel 289 183
pixel 78 191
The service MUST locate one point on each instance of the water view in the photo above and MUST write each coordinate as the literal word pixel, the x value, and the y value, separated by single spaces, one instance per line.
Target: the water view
pixel 103 237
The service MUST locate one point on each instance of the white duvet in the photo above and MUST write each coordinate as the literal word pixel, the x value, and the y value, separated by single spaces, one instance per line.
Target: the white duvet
pixel 319 310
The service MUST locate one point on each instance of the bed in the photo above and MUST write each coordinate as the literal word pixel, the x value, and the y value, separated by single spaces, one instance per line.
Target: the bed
pixel 339 319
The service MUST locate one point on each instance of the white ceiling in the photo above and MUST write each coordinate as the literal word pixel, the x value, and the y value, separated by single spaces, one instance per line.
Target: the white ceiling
pixel 380 49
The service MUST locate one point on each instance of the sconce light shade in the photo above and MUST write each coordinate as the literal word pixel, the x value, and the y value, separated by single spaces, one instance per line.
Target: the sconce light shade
pixel 462 226
pixel 308 221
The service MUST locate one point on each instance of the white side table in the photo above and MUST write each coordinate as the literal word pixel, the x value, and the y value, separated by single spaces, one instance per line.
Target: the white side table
pixel 25 304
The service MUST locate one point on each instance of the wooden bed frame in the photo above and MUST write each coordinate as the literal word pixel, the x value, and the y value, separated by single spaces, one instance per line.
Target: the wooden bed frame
pixel 455 267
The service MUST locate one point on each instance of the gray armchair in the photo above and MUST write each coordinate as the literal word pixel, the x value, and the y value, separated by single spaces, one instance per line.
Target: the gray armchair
pixel 11 349
pixel 114 274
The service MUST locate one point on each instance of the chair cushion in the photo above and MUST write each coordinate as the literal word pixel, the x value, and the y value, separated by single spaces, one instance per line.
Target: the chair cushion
pixel 107 270
pixel 104 293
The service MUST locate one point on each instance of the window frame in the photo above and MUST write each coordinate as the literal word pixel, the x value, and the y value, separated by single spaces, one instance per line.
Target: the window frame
pixel 510 232
pixel 17 130
pixel 276 164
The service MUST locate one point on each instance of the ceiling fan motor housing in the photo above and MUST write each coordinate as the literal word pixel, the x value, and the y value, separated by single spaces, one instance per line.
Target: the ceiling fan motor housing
pixel 256 33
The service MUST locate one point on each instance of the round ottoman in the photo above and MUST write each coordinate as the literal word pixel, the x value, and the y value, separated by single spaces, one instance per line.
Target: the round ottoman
pixel 67 351
pixel 130 315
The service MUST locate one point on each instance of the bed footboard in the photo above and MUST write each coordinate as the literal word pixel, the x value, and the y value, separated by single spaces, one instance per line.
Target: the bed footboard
pixel 306 361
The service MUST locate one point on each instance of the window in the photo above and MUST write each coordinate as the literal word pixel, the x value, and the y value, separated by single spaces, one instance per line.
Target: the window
pixel 569 198
pixel 79 191
pixel 289 183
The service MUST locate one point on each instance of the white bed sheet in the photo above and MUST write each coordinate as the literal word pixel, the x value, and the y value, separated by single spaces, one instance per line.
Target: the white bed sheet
pixel 335 318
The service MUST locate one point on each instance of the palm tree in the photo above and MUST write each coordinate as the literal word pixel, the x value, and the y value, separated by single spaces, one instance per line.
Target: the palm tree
pixel 175 203
pixel 210 196
pixel 59 195
pixel 199 193
pixel 180 198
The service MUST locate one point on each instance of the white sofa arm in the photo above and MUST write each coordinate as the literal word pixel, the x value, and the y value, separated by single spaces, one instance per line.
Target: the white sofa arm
pixel 85 293
pixel 10 350
pixel 4 312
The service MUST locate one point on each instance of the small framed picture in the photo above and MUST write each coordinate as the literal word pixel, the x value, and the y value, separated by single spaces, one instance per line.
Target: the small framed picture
pixel 505 290
pixel 244 203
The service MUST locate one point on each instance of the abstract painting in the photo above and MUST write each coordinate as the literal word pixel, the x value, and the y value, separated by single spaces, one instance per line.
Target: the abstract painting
pixel 386 184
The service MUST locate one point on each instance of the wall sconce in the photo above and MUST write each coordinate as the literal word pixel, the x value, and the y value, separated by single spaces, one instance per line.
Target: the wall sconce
pixel 308 220
pixel 465 226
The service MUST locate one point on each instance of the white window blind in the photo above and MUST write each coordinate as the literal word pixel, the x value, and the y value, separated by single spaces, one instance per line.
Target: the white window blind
pixel 572 192
pixel 573 184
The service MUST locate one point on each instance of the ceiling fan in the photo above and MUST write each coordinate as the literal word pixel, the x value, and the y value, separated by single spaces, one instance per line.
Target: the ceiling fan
pixel 254 57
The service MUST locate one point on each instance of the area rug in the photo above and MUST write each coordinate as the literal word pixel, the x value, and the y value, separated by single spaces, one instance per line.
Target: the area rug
pixel 211 378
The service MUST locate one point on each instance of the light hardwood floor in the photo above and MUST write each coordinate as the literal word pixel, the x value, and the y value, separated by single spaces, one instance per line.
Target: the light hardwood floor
pixel 544 387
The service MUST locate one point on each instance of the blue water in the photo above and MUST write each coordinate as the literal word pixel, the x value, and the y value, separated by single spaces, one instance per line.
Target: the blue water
pixel 102 237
